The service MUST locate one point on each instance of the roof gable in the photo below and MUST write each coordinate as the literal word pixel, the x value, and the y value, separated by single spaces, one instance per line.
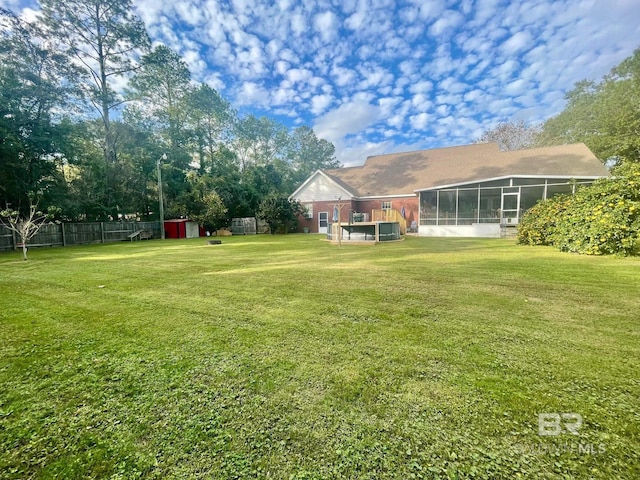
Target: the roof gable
pixel 321 186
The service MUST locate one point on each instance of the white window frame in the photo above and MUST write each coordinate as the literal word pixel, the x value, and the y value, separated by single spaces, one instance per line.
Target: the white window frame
pixel 308 210
pixel 386 205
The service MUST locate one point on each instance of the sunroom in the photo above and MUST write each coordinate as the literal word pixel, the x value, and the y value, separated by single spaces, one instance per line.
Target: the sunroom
pixel 485 208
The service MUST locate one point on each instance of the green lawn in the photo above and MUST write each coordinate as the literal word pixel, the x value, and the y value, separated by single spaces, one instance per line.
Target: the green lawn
pixel 286 357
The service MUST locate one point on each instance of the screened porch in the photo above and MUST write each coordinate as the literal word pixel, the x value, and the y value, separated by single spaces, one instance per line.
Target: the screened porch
pixel 498 201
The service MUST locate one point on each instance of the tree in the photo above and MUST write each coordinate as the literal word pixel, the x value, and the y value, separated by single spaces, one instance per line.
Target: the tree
pixel 605 115
pixel 279 211
pixel 105 37
pixel 26 227
pixel 213 119
pixel 212 211
pixel 35 81
pixel 162 88
pixel 511 135
pixel 307 153
pixel 163 83
pixel 259 141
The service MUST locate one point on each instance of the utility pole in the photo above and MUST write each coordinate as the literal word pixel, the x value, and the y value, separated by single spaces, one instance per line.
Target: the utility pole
pixel 160 197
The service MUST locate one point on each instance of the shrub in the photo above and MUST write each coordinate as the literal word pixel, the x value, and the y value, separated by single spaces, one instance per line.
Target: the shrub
pixel 539 222
pixel 601 219
pixel 280 213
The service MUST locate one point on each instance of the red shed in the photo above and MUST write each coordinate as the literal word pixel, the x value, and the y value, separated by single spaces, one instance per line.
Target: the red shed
pixel 182 228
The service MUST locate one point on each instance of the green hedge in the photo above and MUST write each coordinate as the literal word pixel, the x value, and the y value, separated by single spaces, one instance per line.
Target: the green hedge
pixel 601 219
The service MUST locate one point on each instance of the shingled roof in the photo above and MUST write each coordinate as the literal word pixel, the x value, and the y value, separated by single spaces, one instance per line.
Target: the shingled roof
pixel 404 173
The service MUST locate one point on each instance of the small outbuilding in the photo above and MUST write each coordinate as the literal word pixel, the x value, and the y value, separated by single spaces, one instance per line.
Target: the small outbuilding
pixel 182 228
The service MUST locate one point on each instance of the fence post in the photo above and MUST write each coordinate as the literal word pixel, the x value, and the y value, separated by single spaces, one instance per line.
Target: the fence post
pixel 64 238
pixel 102 232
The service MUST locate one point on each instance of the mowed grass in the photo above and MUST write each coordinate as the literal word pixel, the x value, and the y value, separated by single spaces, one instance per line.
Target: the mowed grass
pixel 287 357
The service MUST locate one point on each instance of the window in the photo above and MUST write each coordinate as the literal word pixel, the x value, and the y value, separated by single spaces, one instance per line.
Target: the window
pixel 553 190
pixel 528 181
pixel 467 206
pixel 503 182
pixel 428 207
pixel 529 196
pixel 308 210
pixel 385 206
pixel 447 207
pixel 490 199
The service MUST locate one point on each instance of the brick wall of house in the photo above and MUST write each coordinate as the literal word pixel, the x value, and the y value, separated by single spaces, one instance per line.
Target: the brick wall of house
pixel 312 223
pixel 362 206
pixel 410 206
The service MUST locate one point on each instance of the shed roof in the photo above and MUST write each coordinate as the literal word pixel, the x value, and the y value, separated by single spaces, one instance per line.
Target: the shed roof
pixel 404 173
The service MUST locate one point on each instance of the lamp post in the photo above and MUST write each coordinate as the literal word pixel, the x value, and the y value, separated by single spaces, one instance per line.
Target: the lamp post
pixel 160 198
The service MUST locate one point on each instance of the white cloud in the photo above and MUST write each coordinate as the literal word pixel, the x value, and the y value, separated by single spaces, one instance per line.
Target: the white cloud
pixel 393 74
pixel 343 76
pixel 430 10
pixel 518 42
pixel 190 13
pixel 357 20
pixel 419 121
pixel 251 93
pixel 515 88
pixel 449 20
pixel 388 105
pixel 422 86
pixel 326 25
pixel 355 153
pixel 421 102
pixel 298 75
pixel 348 118
pixel 283 96
pixel 473 95
pixel 197 65
pixel 298 24
pixel 319 103
pixel 150 11
pixel 282 67
pixel 215 82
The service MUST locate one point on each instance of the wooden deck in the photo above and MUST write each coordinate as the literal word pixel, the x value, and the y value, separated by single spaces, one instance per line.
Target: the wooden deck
pixel 361 232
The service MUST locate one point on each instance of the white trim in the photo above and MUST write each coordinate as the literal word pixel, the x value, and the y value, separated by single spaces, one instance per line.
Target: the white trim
pixel 492 179
pixel 375 197
pixel 308 210
pixel 324 229
pixel 310 179
pixel 307 181
pixel 486 230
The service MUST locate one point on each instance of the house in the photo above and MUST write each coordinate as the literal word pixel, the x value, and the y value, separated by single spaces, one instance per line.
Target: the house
pixel 471 190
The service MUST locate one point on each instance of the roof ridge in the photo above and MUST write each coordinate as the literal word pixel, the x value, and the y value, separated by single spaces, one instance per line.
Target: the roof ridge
pixel 433 149
pixel 545 147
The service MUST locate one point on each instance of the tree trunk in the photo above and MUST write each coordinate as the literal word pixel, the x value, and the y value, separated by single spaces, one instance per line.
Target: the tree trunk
pixel 24 251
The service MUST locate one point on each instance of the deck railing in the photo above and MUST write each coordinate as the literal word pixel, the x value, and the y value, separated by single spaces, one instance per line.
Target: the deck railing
pixel 390 216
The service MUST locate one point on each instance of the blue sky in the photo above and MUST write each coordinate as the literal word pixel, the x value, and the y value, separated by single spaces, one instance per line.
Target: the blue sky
pixel 379 76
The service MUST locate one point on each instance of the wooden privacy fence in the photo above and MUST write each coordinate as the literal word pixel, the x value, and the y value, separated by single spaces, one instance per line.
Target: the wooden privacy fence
pixel 63 234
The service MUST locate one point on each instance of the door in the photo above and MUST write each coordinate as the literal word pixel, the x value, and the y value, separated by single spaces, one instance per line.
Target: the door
pixel 323 221
pixel 510 208
pixel 192 230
